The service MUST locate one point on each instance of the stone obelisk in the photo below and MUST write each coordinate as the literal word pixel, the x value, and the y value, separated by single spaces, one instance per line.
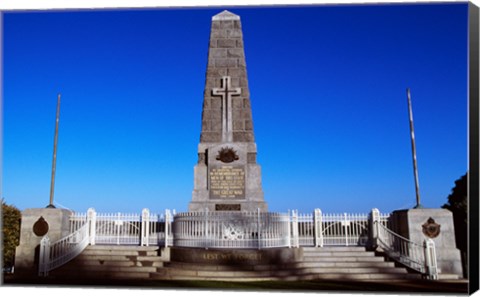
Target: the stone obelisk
pixel 227 176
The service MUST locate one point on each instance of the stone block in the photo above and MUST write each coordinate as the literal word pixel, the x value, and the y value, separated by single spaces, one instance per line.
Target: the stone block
pixel 248 125
pixel 206 125
pixel 218 34
pixel 238 125
pixel 217 72
pixel 216 103
pixel 235 33
pixel 217 53
pixel 226 24
pixel 237 72
pixel 237 103
pixel 226 43
pixel 216 125
pixel 228 62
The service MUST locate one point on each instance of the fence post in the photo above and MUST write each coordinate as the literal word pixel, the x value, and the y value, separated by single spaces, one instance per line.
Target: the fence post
pixel 374 228
pixel 44 256
pixel 145 227
pixel 295 228
pixel 167 226
pixel 289 230
pixel 430 259
pixel 206 229
pixel 92 221
pixel 317 221
pixel 258 229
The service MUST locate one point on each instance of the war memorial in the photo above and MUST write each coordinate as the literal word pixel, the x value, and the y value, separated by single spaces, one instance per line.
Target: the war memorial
pixel 228 234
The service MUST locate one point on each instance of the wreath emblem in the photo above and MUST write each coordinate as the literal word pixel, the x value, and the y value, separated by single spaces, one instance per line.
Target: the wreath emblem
pixel 227 155
pixel 40 228
pixel 430 228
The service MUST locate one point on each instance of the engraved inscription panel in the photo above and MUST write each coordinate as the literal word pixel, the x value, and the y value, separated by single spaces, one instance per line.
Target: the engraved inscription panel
pixel 228 207
pixel 227 182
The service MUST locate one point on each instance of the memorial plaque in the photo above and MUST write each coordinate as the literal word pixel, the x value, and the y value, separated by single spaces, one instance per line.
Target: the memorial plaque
pixel 227 182
pixel 228 207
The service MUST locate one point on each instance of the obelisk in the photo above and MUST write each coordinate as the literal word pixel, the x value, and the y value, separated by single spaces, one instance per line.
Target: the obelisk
pixel 227 176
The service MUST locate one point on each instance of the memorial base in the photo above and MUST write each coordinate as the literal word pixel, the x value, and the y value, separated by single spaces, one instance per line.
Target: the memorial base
pixel 422 223
pixel 37 223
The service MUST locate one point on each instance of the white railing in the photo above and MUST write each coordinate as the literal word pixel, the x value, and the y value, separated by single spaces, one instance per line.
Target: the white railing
pixel 53 255
pixel 127 229
pixel 420 257
pixel 319 229
pixel 230 229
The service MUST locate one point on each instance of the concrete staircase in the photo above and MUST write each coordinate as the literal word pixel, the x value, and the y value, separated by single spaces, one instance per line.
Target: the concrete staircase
pixel 334 263
pixel 147 263
pixel 112 262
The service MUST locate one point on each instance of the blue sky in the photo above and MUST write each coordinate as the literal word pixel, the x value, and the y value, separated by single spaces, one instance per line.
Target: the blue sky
pixel 328 94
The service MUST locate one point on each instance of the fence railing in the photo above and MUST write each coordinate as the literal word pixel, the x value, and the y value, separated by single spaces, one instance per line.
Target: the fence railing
pixel 231 229
pixel 420 257
pixel 126 229
pixel 237 230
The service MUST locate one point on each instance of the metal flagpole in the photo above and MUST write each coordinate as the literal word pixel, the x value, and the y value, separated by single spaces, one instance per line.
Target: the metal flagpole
pixel 54 162
pixel 414 151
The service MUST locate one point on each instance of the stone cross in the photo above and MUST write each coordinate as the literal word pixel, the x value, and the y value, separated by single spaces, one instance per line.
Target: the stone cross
pixel 226 91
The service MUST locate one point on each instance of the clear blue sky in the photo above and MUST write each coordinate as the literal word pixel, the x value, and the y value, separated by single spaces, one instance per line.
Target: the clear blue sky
pixel 328 98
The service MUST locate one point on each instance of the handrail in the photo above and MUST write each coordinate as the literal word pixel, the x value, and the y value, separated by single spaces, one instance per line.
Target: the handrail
pixel 401 249
pixel 54 255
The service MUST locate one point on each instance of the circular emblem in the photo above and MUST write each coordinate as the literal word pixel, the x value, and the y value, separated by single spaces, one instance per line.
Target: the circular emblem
pixel 430 228
pixel 227 155
pixel 40 228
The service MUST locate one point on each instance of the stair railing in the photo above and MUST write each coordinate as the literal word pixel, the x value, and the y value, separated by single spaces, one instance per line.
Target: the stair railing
pixel 416 256
pixel 53 255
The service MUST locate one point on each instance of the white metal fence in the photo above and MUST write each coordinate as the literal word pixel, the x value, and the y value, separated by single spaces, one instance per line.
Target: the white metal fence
pixel 236 230
pixel 126 229
pixel 231 229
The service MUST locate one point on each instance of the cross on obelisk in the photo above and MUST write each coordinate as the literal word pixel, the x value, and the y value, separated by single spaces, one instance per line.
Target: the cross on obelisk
pixel 226 91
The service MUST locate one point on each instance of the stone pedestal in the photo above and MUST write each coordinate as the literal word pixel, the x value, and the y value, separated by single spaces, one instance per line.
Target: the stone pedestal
pixel 37 223
pixel 437 224
pixel 227 186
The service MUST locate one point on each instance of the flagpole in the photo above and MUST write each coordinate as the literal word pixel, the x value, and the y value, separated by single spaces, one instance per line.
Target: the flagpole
pixel 414 151
pixel 54 162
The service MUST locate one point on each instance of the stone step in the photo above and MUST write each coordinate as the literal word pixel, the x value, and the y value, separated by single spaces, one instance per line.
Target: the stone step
pixel 290 266
pixel 95 252
pixel 446 276
pixel 96 275
pixel 340 264
pixel 284 272
pixel 83 257
pixel 128 263
pixel 343 259
pixel 338 254
pixel 101 268
pixel 287 277
pixel 122 247
pixel 335 249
